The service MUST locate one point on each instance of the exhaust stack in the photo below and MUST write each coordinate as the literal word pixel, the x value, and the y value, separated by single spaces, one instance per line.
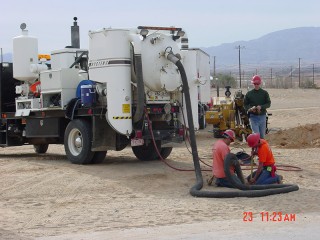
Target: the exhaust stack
pixel 75 38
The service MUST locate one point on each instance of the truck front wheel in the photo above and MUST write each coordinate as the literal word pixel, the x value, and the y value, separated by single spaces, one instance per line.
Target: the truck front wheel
pixel 40 148
pixel 77 142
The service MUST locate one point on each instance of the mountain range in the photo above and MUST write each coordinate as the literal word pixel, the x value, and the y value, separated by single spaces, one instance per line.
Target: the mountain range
pixel 282 47
pixel 7 57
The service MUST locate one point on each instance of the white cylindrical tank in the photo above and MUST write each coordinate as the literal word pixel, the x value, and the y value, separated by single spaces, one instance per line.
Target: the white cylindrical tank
pixel 110 63
pixel 25 53
pixel 158 72
pixel 37 68
pixel 189 60
pixel 64 58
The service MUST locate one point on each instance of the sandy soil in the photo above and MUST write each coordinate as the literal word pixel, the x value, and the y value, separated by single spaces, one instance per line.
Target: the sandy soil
pixel 44 195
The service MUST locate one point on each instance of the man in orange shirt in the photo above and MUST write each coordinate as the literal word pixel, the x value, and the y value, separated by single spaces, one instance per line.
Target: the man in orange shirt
pixel 219 151
pixel 265 173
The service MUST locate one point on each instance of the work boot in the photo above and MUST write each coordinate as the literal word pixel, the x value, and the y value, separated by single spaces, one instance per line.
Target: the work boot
pixel 280 181
pixel 209 181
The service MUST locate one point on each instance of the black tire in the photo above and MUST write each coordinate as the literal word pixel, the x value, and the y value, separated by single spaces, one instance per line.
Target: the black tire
pixel 267 121
pixel 217 133
pixel 98 157
pixel 40 148
pixel 202 115
pixel 202 122
pixel 147 152
pixel 165 152
pixel 77 142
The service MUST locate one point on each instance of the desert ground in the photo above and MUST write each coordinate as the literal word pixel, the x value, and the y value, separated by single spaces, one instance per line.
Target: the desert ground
pixel 47 197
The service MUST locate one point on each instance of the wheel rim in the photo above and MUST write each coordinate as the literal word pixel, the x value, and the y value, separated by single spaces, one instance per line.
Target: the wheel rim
pixel 75 142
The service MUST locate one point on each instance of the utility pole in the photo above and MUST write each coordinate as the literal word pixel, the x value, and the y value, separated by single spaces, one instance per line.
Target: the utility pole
pixel 215 79
pixel 313 75
pixel 214 67
pixel 239 48
pixel 1 55
pixel 291 77
pixel 299 73
pixel 271 77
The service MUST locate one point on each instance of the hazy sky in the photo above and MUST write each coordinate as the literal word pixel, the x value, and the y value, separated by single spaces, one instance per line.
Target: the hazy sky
pixel 207 22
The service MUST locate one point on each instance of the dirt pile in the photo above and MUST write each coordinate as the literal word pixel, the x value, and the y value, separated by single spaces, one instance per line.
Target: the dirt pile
pixel 306 136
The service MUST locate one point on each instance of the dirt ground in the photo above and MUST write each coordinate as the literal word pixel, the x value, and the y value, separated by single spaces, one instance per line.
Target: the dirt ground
pixel 47 197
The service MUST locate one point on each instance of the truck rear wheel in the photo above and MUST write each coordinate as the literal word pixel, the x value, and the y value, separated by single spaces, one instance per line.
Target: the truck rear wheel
pixel 98 157
pixel 40 148
pixel 147 152
pixel 77 142
pixel 165 152
pixel 202 122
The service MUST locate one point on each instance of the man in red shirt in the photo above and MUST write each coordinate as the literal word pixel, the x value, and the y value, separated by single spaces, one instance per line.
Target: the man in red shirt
pixel 219 151
pixel 265 173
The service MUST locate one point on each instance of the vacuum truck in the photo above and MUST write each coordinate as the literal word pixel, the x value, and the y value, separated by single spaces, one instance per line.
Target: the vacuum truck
pixel 122 91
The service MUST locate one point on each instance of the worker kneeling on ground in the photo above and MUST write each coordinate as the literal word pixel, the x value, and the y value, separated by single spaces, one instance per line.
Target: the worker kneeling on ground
pixel 219 151
pixel 265 174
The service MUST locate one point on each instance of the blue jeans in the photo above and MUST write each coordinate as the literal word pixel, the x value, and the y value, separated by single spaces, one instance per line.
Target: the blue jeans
pixel 258 124
pixel 223 182
pixel 265 178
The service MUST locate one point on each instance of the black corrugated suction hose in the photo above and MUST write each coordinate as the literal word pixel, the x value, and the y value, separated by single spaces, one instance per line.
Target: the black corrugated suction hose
pixel 245 190
pixel 261 190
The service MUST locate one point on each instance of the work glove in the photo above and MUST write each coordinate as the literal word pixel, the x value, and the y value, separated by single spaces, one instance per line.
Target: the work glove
pixel 253 109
